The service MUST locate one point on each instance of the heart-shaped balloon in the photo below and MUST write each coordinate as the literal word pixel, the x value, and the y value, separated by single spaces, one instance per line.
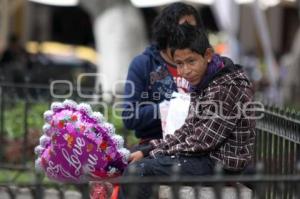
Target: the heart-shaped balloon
pixel 78 145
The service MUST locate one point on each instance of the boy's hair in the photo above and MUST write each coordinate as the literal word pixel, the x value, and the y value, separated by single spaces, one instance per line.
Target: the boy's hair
pixel 168 19
pixel 186 36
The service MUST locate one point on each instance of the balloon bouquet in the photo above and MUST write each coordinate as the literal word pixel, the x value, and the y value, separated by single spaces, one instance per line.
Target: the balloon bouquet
pixel 78 146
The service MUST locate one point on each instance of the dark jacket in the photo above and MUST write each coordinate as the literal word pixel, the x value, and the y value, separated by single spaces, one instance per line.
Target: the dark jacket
pixel 148 83
pixel 216 124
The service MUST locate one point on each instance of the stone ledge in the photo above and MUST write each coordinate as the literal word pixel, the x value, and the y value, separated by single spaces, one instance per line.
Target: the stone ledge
pixel 187 192
pixel 25 193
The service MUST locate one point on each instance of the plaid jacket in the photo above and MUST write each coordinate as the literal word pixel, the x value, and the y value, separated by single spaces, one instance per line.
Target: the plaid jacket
pixel 216 124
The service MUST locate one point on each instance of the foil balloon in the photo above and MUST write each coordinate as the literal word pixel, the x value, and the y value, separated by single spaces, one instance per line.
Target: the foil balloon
pixel 77 145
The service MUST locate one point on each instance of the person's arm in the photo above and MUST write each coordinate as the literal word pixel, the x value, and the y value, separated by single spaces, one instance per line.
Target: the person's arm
pixel 138 155
pixel 143 152
pixel 160 145
pixel 139 115
pixel 206 129
pixel 213 123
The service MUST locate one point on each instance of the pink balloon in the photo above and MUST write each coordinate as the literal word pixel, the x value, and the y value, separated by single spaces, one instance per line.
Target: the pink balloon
pixel 77 145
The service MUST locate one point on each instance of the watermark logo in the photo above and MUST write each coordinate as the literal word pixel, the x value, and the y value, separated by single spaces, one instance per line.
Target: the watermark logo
pixel 127 107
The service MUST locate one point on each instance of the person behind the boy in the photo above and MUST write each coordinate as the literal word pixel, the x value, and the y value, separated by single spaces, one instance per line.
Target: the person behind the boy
pixel 219 128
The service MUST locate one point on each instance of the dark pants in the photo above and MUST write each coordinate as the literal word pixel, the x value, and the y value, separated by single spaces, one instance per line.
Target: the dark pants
pixel 162 166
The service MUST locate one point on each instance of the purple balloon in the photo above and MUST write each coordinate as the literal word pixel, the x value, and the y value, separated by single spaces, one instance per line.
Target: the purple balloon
pixel 77 145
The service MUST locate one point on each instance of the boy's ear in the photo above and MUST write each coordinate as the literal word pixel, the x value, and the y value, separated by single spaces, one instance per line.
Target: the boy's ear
pixel 208 54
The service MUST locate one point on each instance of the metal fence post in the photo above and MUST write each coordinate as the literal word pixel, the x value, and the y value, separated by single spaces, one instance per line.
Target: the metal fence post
pixel 2 122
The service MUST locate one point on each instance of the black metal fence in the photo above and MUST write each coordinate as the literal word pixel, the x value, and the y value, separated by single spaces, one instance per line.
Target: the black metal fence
pixel 276 166
pixel 278 147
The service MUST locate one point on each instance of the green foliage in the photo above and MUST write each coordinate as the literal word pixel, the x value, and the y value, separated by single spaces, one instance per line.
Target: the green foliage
pixel 16 176
pixel 14 121
pixel 15 114
pixel 293 106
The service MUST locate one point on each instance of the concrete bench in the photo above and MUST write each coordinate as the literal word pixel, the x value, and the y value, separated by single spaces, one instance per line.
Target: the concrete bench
pixel 187 192
pixel 25 193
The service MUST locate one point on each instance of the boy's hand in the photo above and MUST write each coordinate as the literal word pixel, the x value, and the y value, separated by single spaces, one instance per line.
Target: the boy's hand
pixel 136 156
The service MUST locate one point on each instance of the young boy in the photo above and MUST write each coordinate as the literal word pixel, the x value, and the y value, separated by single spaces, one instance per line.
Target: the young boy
pixel 218 128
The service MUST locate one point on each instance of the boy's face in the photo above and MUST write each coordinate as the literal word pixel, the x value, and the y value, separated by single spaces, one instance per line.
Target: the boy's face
pixel 191 65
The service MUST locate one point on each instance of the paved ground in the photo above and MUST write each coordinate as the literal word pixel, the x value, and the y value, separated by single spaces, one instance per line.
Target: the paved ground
pixel 24 193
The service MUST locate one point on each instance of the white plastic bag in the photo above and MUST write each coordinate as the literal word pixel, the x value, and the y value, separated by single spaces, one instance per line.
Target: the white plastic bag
pixel 178 108
pixel 163 110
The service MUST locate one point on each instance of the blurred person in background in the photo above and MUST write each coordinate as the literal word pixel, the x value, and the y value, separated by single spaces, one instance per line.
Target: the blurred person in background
pixel 14 61
pixel 251 63
pixel 152 76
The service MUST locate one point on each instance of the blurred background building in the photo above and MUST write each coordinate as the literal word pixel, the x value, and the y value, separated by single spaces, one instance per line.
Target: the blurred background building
pixel 43 40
